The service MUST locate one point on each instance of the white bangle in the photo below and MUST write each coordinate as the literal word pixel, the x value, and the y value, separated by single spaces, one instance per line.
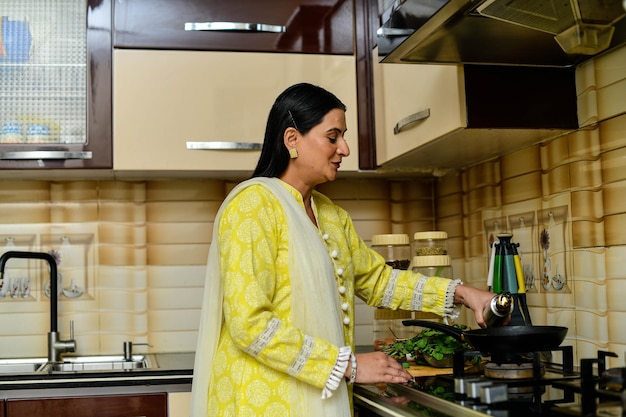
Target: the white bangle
pixel 353 370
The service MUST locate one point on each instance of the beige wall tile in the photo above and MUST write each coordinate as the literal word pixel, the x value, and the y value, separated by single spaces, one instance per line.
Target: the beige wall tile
pixel 483 197
pixel 186 276
pixel 451 183
pixel 485 174
pixel 452 225
pixel 584 144
pixel 122 234
pixel 616 294
pixel 83 212
pixel 355 189
pixel 185 190
pixel 366 209
pixel 181 254
pixel 614 197
pixel 16 191
pixel 182 211
pixel 613 133
pixel 585 174
pixel 615 256
pixel 368 228
pixel 556 180
pixel 175 233
pixel 521 162
pixel 122 255
pixel 132 191
pixel 614 226
pixel 587 233
pixel 554 153
pixel 449 205
pixel 122 212
pixel 74 191
pixel 613 163
pixel 521 188
pixel 409 190
pixel 12 213
pixel 410 211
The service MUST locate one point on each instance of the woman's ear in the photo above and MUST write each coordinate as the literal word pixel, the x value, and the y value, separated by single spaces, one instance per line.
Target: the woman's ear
pixel 290 137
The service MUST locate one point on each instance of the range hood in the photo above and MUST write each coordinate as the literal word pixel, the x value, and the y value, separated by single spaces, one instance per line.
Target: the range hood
pixel 550 33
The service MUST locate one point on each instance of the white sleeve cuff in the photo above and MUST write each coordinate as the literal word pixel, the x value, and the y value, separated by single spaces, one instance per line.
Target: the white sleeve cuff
pixel 338 372
pixel 450 310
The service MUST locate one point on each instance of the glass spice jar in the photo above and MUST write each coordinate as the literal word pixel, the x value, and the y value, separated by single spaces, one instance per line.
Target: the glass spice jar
pixel 434 243
pixel 395 248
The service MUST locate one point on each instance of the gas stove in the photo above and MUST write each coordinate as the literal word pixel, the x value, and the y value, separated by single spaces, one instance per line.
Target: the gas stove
pixel 525 385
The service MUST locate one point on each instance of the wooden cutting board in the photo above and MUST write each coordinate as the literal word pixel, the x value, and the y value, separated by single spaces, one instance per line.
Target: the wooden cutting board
pixel 425 370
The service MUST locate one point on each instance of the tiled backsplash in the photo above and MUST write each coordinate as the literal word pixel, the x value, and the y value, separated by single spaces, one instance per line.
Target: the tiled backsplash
pixel 150 245
pixel 574 187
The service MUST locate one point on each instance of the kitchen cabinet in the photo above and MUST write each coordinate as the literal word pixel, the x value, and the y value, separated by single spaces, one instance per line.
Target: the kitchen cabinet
pixel 55 84
pixel 303 26
pixel 431 117
pixel 166 103
pixel 146 405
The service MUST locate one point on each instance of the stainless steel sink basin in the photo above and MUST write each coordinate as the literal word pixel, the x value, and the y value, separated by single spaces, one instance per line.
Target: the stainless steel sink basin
pixel 99 363
pixel 75 364
pixel 12 366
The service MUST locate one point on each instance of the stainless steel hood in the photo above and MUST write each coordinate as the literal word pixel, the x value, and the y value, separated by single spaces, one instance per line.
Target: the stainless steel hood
pixel 550 33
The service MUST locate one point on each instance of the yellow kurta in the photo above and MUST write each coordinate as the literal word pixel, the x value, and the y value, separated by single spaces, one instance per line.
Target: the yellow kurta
pixel 251 378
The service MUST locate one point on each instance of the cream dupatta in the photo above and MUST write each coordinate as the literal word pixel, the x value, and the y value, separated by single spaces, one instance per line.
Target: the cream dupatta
pixel 315 306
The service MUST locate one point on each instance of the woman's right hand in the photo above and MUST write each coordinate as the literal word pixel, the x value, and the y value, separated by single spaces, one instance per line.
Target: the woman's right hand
pixel 377 367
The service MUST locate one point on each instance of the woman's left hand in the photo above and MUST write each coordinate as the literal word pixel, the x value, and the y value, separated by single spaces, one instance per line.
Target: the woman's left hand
pixel 376 367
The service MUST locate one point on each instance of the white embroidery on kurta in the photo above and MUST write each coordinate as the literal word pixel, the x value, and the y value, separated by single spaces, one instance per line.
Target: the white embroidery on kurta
pixel 303 356
pixel 418 294
pixel 264 338
pixel 390 289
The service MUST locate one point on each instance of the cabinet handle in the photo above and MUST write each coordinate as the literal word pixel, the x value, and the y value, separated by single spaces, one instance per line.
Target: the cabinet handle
pixel 238 26
pixel 384 32
pixel 415 117
pixel 45 155
pixel 225 146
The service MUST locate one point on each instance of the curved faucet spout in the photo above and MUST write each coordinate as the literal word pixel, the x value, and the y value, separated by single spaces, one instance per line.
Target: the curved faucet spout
pixel 55 346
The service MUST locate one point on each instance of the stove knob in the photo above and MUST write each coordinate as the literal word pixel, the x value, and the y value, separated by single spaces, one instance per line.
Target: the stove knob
pixel 473 388
pixel 495 393
pixel 460 384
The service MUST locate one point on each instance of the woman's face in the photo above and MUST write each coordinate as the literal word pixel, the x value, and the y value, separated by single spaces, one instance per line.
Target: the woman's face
pixel 322 149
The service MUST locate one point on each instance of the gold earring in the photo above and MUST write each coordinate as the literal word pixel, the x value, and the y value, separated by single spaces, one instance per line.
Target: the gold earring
pixel 293 153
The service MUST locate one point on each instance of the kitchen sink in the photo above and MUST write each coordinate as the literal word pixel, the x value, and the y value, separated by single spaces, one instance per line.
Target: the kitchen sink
pixel 75 364
pixel 12 366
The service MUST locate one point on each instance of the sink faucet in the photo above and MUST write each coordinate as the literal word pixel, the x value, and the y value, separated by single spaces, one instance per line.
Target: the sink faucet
pixel 56 346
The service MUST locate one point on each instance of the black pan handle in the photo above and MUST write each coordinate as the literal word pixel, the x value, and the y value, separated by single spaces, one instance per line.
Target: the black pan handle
pixel 449 330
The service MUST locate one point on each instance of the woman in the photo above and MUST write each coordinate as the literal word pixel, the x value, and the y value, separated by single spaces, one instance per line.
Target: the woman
pixel 277 333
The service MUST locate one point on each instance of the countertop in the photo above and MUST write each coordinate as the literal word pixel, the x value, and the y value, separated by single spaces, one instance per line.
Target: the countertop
pixel 167 372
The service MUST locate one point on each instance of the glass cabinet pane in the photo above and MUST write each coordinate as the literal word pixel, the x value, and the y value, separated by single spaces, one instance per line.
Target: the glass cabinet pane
pixel 43 72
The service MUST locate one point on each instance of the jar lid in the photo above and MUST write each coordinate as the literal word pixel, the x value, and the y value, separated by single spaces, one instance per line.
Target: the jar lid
pixel 386 314
pixel 431 260
pixel 434 235
pixel 390 239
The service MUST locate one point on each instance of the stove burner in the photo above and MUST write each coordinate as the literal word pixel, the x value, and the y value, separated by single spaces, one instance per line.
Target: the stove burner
pixel 523 370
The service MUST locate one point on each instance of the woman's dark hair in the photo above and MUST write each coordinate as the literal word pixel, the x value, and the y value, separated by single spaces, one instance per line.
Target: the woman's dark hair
pixel 301 106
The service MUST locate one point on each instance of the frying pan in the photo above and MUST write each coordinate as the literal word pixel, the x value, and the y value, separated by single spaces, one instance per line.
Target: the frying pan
pixel 507 339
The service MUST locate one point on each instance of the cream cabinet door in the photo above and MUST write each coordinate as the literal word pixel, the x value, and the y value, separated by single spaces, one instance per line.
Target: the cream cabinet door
pixel 416 104
pixel 163 100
